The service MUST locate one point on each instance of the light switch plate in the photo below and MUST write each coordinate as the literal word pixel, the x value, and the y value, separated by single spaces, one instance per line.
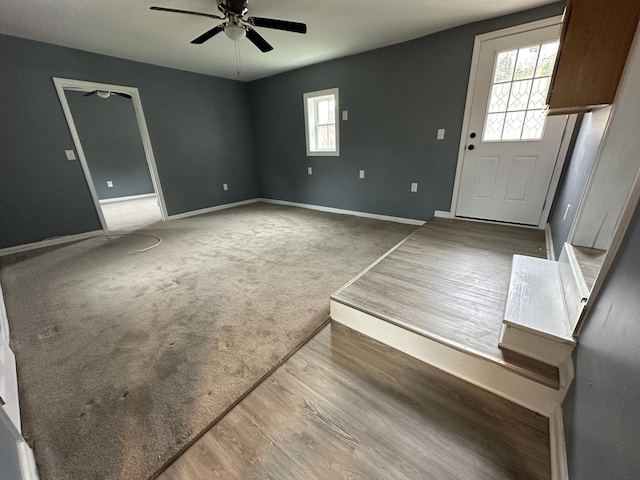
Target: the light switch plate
pixel 225 186
pixel 71 155
pixel 361 173
pixel 414 187
pixel 309 170
pixel 441 134
pixel 345 115
pixel 109 184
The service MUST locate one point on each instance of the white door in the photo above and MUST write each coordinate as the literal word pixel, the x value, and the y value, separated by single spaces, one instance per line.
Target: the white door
pixel 511 148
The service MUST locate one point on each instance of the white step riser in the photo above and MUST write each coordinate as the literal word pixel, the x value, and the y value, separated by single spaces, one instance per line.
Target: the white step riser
pixel 494 378
pixel 534 346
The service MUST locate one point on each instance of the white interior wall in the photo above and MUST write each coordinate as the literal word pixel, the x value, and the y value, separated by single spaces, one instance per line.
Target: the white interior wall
pixel 617 164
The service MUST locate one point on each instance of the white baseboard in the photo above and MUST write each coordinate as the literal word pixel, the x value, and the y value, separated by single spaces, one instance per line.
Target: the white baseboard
pixel 202 211
pixel 130 197
pixel 49 242
pixel 408 221
pixel 551 254
pixel 441 214
pixel 557 446
pixel 471 368
pixel 27 462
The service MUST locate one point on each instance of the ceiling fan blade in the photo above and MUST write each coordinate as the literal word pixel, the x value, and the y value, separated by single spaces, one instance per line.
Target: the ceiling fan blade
pixel 187 12
pixel 295 27
pixel 207 35
pixel 125 95
pixel 255 38
pixel 90 93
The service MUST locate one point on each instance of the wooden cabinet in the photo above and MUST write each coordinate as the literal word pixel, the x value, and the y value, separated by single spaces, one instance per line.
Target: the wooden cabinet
pixel 594 45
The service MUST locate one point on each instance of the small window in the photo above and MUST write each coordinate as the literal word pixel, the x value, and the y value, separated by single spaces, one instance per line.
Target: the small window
pixel 321 125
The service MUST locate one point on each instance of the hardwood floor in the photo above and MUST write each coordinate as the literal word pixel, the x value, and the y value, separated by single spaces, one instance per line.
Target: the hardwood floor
pixel 449 282
pixel 346 406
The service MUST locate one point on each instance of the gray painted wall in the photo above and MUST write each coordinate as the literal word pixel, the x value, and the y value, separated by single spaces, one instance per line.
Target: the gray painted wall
pixel 602 408
pixel 112 145
pixel 575 175
pixel 9 458
pixel 397 97
pixel 200 129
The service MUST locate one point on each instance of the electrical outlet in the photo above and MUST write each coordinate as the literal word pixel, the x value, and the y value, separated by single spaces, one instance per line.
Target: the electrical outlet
pixel 440 135
pixel 225 186
pixel 414 187
pixel 109 184
pixel 309 170
pixel 71 155
pixel 361 173
pixel 345 115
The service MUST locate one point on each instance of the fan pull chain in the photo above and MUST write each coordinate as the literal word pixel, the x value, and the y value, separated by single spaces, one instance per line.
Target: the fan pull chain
pixel 238 59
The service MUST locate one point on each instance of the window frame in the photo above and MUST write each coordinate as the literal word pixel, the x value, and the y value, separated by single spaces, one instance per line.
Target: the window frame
pixel 310 100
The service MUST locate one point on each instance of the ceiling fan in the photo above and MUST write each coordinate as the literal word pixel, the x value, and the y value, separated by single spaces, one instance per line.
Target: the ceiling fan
pixel 106 94
pixel 237 25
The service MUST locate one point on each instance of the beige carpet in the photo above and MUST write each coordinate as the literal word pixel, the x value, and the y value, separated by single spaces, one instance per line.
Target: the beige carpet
pixel 124 359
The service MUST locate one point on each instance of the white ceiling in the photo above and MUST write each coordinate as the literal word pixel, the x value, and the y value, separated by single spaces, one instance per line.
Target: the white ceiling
pixel 336 28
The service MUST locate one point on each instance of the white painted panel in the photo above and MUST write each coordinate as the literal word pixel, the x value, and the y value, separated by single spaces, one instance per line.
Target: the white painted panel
pixel 617 164
pixel 485 177
pixel 9 384
pixel 4 321
pixel 534 346
pixel 535 300
pixel 574 287
pixel 520 178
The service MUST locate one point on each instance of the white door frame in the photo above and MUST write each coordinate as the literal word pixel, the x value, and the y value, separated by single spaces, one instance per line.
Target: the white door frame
pixel 81 86
pixel 566 139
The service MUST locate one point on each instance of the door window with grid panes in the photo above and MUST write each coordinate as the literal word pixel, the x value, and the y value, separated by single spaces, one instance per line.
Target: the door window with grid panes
pixel 520 83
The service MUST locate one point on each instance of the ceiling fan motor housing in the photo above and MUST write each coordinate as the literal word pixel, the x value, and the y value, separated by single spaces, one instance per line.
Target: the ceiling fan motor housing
pixel 236 26
pixel 233 7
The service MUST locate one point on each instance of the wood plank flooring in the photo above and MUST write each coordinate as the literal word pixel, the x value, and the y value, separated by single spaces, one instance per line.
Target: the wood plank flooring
pixel 449 281
pixel 345 406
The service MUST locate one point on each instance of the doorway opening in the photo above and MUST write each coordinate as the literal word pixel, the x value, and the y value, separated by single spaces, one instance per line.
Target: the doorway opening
pixel 113 145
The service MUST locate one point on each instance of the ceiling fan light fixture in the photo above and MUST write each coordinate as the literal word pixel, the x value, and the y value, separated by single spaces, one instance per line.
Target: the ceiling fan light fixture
pixel 234 31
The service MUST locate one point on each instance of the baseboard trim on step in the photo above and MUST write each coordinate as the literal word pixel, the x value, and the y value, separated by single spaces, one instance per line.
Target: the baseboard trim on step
pixel 441 214
pixel 49 242
pixel 202 211
pixel 27 461
pixel 408 221
pixel 557 446
pixel 124 199
pixel 471 368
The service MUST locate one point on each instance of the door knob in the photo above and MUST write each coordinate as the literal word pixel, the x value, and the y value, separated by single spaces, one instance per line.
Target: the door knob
pixel 473 135
pixel 471 147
